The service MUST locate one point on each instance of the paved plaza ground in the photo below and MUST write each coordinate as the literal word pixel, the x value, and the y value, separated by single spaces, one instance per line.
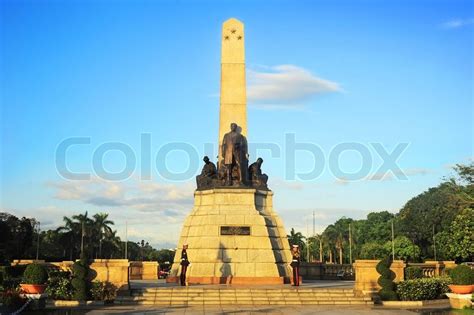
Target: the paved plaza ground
pixel 264 309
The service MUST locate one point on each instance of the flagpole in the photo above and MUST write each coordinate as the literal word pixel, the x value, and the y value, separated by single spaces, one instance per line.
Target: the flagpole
pixel 393 243
pixel 126 240
pixel 350 245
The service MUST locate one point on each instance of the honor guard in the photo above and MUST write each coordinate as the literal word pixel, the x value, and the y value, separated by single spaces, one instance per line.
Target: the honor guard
pixel 295 264
pixel 184 265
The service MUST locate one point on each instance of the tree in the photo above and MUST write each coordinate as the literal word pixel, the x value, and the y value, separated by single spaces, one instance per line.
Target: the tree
pixel 461 236
pixel 404 249
pixel 102 225
pixel 436 208
pixel 297 238
pixel 16 236
pixel 373 250
pixel 377 228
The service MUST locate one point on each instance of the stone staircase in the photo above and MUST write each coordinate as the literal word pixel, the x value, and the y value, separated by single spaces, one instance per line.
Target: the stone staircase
pixel 242 296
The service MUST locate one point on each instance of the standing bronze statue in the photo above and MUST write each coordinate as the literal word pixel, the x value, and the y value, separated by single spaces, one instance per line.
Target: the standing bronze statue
pixel 234 157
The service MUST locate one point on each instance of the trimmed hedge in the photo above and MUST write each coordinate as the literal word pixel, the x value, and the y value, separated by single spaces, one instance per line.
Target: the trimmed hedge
pixel 80 281
pixel 462 275
pixel 35 274
pixel 423 289
pixel 387 293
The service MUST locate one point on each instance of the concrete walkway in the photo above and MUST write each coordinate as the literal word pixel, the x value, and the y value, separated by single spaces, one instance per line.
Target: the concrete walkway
pixel 323 284
pixel 241 310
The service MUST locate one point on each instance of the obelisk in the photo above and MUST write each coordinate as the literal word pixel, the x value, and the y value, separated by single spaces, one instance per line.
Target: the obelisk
pixel 233 104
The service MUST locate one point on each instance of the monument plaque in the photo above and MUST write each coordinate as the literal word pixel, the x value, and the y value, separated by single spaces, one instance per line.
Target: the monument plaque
pixel 235 230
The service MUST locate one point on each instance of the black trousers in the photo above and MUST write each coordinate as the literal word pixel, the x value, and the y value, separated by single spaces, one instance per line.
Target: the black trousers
pixel 182 277
pixel 296 275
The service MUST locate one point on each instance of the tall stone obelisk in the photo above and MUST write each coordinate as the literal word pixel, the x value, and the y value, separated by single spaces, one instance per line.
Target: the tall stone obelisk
pixel 233 100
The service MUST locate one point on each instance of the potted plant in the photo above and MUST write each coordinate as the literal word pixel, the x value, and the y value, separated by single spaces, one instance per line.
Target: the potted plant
pixel 34 279
pixel 462 279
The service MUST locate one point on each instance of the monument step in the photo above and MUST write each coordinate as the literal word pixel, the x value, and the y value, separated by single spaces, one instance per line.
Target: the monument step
pixel 244 302
pixel 242 296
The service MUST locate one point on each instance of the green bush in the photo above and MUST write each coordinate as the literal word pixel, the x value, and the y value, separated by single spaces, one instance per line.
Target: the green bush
pixel 413 273
pixel 35 274
pixel 80 282
pixel 423 289
pixel 103 291
pixel 11 276
pixel 462 275
pixel 11 298
pixel 59 285
pixel 387 292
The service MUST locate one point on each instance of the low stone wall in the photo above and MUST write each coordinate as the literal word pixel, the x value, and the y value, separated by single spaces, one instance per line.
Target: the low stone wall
pixel 433 268
pixel 143 270
pixel 114 271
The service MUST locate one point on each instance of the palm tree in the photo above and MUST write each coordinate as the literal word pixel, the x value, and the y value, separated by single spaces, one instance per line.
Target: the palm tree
pixel 69 233
pixel 112 244
pixel 102 225
pixel 85 223
pixel 320 239
pixel 296 238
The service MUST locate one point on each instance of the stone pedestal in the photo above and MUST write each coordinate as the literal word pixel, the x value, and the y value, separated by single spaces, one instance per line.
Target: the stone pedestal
pixel 234 236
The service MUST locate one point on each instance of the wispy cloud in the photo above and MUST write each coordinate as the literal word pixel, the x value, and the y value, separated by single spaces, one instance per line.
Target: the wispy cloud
pixel 409 172
pixel 388 176
pixel 457 23
pixel 139 195
pixel 285 87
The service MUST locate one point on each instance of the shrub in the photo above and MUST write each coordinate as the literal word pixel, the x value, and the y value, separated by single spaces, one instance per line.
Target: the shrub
pixel 413 273
pixel 80 281
pixel 423 289
pixel 462 275
pixel 11 276
pixel 103 291
pixel 385 280
pixel 35 274
pixel 11 298
pixel 59 285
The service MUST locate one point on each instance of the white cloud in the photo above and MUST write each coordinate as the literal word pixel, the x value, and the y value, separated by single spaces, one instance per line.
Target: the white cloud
pixel 457 23
pixel 139 195
pixel 409 172
pixel 278 182
pixel 285 87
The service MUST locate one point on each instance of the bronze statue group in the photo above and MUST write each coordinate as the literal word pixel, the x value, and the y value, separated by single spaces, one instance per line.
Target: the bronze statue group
pixel 232 169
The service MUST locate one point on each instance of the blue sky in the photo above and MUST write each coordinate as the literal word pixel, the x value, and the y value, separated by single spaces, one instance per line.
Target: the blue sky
pixel 341 71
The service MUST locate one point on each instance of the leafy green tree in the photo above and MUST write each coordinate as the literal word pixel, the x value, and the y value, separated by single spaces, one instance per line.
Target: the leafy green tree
pixel 373 250
pixel 376 228
pixel 16 237
pixel 461 236
pixel 436 208
pixel 404 249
